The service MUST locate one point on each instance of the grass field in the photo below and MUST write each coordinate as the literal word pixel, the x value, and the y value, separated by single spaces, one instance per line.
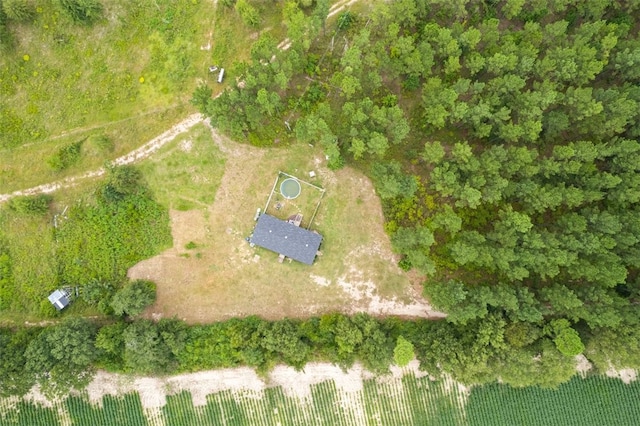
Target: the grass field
pixel 394 402
pixel 185 173
pixel 127 77
pixel 60 75
pixel 212 273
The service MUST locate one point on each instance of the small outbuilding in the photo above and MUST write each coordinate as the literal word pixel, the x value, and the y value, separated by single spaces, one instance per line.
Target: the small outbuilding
pixel 59 299
pixel 286 239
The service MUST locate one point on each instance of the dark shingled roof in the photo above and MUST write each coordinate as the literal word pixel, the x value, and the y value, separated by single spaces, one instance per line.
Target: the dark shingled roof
pixel 287 239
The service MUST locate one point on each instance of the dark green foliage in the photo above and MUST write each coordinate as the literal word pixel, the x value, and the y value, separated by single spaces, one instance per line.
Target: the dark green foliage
pixel 133 298
pixel 110 343
pixel 201 97
pixel 4 33
pixel 84 11
pixel 283 341
pixel 618 347
pixel 99 293
pixel 61 357
pixel 31 205
pixel 146 351
pixel 123 181
pixel 66 156
pixel 18 10
pixel 13 379
pixel 345 19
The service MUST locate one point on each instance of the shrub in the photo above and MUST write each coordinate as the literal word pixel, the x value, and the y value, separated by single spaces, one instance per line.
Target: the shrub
pixel 201 97
pixel 123 181
pixel 403 352
pixel 345 20
pixel 66 156
pixel 86 11
pixel 18 10
pixel 248 13
pixel 133 298
pixel 102 143
pixel 32 205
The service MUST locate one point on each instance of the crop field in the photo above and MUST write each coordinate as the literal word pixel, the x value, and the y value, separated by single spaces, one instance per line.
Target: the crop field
pixel 405 401
pixel 593 401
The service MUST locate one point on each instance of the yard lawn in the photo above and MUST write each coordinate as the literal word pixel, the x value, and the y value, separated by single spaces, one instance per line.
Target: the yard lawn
pixel 212 273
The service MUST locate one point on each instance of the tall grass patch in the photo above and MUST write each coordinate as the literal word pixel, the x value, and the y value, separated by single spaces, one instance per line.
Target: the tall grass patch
pixel 29 250
pixel 100 240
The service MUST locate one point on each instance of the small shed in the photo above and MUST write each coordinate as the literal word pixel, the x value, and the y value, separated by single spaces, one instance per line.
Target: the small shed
pixel 59 299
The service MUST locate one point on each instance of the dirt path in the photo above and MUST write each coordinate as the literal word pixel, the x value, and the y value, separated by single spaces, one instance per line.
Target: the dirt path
pixel 143 152
pixel 150 147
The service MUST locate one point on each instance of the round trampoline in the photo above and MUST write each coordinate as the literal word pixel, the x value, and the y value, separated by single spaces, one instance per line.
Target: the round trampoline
pixel 290 188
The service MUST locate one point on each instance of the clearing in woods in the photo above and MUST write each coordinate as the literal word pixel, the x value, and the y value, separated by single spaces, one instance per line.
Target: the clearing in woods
pixel 212 273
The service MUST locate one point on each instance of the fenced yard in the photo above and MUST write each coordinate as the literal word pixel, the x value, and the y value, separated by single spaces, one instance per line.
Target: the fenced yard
pixel 307 203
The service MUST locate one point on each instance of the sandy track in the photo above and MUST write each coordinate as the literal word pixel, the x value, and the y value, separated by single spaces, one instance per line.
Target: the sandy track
pixel 143 152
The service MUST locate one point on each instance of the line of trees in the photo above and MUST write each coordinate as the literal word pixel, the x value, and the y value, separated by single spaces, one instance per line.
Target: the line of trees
pixel 65 355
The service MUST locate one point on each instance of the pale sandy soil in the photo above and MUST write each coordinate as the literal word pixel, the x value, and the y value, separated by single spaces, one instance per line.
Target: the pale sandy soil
pixel 243 381
pixel 627 375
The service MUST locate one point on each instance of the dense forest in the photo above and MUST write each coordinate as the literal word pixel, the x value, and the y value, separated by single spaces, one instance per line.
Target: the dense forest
pixel 502 138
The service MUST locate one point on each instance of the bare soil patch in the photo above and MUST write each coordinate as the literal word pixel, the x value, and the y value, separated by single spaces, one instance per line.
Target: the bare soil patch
pixel 242 381
pixel 224 277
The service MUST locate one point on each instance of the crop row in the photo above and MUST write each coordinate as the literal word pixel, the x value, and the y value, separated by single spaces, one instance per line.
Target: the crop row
pixel 410 401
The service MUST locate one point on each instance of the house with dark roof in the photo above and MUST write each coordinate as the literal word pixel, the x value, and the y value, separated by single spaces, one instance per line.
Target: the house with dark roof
pixel 59 299
pixel 286 239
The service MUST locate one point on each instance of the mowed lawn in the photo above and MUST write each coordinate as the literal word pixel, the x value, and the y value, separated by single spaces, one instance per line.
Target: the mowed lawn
pixel 214 188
